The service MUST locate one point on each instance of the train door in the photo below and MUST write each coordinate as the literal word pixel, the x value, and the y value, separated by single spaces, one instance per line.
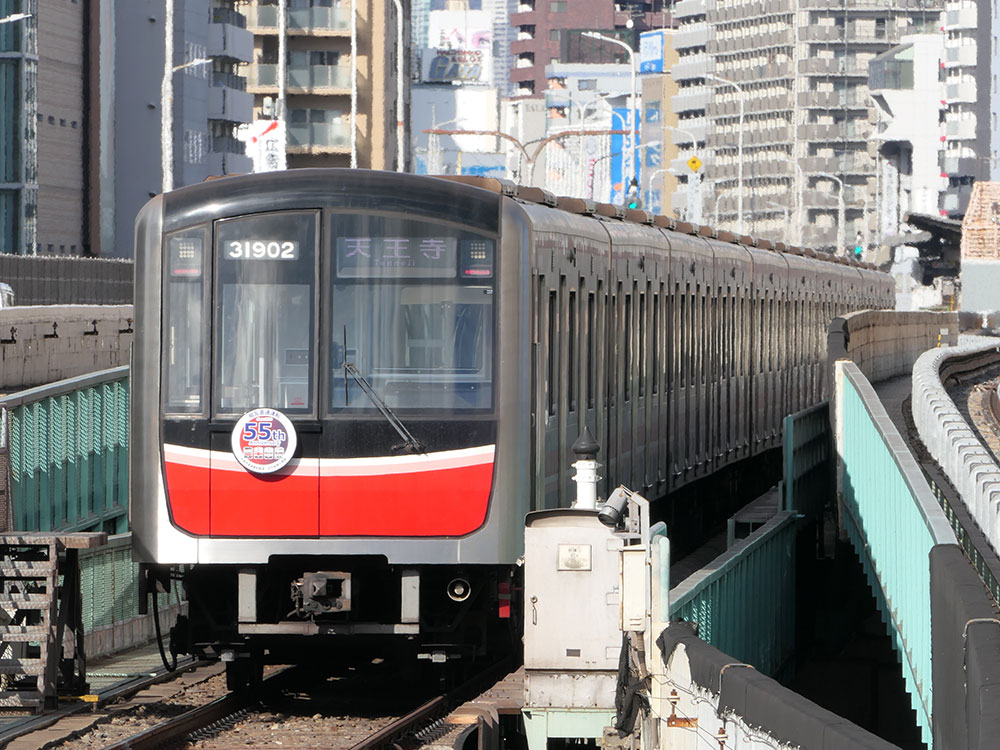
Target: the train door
pixel 547 365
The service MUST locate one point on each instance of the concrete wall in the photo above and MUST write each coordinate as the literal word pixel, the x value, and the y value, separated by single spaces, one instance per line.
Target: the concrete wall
pixel 40 280
pixel 52 343
pixel 885 344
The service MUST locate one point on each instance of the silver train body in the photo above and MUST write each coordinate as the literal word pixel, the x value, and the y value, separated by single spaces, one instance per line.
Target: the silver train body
pixel 681 350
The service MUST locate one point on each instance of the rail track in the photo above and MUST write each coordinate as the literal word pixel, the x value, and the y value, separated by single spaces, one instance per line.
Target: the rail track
pixel 293 707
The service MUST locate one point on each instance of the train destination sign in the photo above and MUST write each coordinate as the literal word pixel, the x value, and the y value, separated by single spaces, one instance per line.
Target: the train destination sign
pixel 264 440
pixel 397 257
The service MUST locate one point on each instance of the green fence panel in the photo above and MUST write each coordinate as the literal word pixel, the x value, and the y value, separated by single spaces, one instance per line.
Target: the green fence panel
pixel 68 445
pixel 745 605
pixel 807 451
pixel 892 520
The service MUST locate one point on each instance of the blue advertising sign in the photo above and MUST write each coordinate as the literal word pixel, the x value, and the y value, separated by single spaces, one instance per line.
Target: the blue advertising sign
pixel 619 149
pixel 651 44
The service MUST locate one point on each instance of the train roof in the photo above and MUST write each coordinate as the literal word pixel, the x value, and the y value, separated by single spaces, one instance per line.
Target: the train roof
pixel 608 210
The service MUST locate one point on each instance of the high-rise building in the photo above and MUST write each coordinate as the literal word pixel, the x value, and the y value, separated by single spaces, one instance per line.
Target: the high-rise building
pixel 690 44
pixel 338 82
pixel 907 91
pixel 969 89
pixel 198 105
pixel 800 72
pixel 549 31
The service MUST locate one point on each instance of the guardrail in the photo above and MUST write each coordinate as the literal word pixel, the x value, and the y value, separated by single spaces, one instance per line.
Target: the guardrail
pixel 806 452
pixel 950 440
pixel 110 594
pixel 743 602
pixel 893 522
pixel 65 455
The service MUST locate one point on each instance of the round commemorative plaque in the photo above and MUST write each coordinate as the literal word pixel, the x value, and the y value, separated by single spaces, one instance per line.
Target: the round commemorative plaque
pixel 264 440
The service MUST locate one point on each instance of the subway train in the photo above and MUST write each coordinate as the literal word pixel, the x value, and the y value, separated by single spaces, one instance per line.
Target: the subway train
pixel 349 387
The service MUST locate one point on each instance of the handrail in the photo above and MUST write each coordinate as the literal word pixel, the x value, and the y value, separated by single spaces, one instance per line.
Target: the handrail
pixel 62 387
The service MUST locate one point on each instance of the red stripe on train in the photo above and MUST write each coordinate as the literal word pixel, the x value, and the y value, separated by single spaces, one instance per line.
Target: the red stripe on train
pixel 441 502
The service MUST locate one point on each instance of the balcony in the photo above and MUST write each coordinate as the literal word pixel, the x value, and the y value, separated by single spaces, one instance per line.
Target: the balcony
pixel 230 105
pixel 263 19
pixel 851 130
pixel 687 8
pixel 319 137
pixel 821 34
pixel 832 100
pixel 964 56
pixel 833 67
pixel 958 165
pixel 319 79
pixel 690 99
pixel 227 40
pixel 955 200
pixel 854 163
pixel 961 92
pixel 691 66
pixel 691 35
pixel 963 18
pixel 229 81
pixel 960 130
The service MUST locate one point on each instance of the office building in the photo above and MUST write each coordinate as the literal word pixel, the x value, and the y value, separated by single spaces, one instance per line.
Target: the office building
pixel 337 85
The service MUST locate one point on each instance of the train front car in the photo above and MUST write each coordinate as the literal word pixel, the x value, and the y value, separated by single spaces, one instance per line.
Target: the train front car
pixel 316 389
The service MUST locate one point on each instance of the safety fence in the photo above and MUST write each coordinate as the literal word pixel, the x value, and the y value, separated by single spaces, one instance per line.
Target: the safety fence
pixel 743 602
pixel 893 521
pixel 806 452
pixel 65 449
pixel 110 593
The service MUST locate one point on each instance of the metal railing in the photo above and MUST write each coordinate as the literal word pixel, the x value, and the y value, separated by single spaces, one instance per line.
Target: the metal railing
pixel 67 446
pixel 893 521
pixel 743 602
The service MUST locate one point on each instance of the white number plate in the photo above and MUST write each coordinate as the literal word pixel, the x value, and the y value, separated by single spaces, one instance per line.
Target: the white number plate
pixel 261 250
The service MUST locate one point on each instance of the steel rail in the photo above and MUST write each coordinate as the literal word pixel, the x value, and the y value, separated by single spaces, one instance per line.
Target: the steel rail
pixel 198 718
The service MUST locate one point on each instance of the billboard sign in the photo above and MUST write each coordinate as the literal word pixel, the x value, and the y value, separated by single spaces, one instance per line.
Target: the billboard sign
pixel 265 144
pixel 453 66
pixel 651 44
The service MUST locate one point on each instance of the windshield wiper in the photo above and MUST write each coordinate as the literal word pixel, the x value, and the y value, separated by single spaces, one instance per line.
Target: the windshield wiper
pixel 410 443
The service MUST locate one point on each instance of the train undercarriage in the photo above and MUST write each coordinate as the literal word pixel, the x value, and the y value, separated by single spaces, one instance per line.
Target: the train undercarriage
pixel 338 611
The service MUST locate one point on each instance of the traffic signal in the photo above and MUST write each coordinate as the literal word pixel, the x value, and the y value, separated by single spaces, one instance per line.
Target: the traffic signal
pixel 632 198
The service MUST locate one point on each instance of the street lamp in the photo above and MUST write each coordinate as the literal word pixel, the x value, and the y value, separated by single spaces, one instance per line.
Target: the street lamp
pixel 632 101
pixel 840 210
pixel 739 148
pixel 167 98
pixel 799 215
pixel 14 17
pixel 782 207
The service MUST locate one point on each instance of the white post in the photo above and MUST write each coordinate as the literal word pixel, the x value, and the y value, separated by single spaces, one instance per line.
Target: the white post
pixel 354 84
pixel 399 86
pixel 739 148
pixel 586 449
pixel 167 100
pixel 281 72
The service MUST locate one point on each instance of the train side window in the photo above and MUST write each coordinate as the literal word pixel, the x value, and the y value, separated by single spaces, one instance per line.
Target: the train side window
pixel 572 348
pixel 627 380
pixel 683 353
pixel 642 345
pixel 657 333
pixel 591 360
pixel 185 319
pixel 552 353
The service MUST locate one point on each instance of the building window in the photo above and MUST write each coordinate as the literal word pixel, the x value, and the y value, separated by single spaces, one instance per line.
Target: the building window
pixel 587 84
pixel 557 6
pixel 555 35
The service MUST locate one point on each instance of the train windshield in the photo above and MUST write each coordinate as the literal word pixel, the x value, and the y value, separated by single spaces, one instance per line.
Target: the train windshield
pixel 264 307
pixel 412 314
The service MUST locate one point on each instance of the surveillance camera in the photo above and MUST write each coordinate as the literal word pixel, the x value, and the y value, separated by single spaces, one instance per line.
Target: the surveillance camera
pixel 611 512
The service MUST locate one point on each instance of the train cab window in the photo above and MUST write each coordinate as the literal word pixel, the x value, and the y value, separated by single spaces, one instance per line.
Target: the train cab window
pixel 265 301
pixel 411 314
pixel 184 316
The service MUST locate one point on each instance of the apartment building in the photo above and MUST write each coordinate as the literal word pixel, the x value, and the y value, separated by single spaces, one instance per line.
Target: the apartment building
pixel 690 39
pixel 549 31
pixel 18 140
pixel 907 91
pixel 200 105
pixel 801 73
pixel 337 83
pixel 970 88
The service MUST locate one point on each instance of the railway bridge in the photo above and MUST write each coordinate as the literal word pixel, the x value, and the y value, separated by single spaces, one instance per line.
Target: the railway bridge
pixel 914 496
